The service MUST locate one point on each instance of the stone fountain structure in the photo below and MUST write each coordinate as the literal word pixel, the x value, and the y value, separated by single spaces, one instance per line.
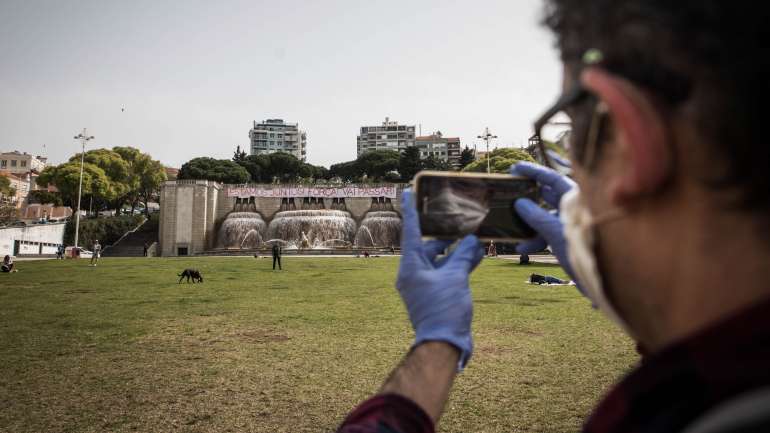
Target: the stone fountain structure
pixel 202 217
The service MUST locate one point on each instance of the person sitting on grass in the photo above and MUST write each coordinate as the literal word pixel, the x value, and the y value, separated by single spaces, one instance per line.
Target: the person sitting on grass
pixel 668 152
pixel 8 265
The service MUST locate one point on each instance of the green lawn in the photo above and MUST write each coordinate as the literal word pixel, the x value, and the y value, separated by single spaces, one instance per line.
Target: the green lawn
pixel 123 347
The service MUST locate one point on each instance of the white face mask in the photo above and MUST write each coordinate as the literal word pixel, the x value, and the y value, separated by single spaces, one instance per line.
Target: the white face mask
pixel 580 233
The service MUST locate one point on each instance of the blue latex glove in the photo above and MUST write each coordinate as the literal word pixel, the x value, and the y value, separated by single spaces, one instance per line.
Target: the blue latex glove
pixel 547 224
pixel 436 291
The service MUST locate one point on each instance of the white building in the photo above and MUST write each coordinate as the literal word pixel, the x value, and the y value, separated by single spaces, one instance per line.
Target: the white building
pixel 31 240
pixel 21 162
pixel 389 136
pixel 275 135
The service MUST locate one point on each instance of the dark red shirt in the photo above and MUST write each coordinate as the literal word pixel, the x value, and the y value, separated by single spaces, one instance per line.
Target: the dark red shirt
pixel 669 391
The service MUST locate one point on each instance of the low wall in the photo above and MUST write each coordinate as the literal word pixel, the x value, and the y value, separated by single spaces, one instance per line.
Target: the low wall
pixel 31 240
pixel 191 210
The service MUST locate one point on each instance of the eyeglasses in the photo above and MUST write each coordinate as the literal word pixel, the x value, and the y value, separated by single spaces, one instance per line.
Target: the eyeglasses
pixel 552 140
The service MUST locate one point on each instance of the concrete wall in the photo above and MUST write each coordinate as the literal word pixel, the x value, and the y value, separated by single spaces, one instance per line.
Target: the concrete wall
pixel 187 216
pixel 34 239
pixel 192 210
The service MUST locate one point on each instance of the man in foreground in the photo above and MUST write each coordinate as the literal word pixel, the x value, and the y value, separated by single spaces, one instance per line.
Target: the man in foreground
pixel 668 152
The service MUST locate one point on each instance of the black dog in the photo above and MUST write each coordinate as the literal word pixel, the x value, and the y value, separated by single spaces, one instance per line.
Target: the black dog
pixel 191 273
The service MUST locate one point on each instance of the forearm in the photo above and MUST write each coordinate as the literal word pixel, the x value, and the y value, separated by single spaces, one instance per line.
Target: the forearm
pixel 425 376
pixel 412 398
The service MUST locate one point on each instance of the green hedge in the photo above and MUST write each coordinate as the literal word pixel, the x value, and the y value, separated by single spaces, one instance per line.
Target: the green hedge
pixel 106 230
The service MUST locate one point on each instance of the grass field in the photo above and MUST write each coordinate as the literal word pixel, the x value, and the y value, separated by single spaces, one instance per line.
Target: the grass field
pixel 123 347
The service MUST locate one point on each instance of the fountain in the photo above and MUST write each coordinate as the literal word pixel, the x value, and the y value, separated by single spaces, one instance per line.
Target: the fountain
pixel 318 225
pixel 243 230
pixel 379 229
pixel 305 223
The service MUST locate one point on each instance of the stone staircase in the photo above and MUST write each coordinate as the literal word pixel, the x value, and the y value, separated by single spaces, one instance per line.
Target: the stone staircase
pixel 132 243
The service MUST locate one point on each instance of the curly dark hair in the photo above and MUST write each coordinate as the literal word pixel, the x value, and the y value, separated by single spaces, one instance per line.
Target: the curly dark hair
pixel 708 57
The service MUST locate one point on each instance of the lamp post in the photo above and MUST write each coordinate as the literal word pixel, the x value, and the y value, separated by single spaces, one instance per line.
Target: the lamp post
pixel 84 138
pixel 487 137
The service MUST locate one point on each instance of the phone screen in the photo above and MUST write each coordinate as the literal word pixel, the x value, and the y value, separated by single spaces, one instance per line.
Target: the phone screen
pixel 453 206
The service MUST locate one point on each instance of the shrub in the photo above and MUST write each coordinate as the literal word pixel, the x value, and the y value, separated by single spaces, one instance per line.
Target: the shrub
pixel 106 230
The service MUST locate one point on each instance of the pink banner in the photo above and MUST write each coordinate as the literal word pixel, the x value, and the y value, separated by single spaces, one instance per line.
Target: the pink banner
pixel 355 191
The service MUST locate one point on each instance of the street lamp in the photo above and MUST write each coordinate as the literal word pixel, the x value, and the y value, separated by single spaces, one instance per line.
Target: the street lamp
pixel 84 138
pixel 487 137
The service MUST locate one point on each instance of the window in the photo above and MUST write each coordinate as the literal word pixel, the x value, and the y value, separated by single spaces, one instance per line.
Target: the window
pixel 4 163
pixel 181 251
pixel 13 163
pixel 24 163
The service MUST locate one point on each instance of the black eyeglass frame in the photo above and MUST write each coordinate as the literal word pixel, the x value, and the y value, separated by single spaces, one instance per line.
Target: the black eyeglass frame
pixel 574 96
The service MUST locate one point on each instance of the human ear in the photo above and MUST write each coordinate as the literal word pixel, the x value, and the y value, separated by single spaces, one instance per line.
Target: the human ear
pixel 647 158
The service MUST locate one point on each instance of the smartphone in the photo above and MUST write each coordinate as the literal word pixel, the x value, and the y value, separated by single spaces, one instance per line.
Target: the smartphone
pixel 452 205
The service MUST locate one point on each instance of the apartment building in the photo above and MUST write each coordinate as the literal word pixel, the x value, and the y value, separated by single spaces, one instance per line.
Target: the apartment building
pixel 275 135
pixel 388 136
pixel 21 162
pixel 444 148
pixel 23 183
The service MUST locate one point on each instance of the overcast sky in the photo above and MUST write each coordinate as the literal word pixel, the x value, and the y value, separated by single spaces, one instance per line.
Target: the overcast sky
pixel 193 75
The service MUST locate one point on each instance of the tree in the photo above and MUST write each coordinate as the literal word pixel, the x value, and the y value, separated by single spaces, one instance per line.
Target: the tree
pixel 5 187
pixel 346 171
pixel 409 163
pixel 283 166
pixel 151 174
pixel 131 156
pixel 377 163
pixel 120 180
pixel 433 163
pixel 239 155
pixel 67 176
pixel 500 160
pixel 45 197
pixel 467 156
pixel 218 170
pixel 279 165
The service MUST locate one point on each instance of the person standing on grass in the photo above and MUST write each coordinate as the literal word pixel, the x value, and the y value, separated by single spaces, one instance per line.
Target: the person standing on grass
pixel 145 248
pixel 668 152
pixel 60 252
pixel 277 256
pixel 97 250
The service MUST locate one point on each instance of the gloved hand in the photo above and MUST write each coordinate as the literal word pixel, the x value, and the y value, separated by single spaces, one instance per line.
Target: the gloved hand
pixel 547 224
pixel 436 291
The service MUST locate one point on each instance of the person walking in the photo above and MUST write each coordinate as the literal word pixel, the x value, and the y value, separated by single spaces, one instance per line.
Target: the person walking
pixel 97 251
pixel 145 249
pixel 277 256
